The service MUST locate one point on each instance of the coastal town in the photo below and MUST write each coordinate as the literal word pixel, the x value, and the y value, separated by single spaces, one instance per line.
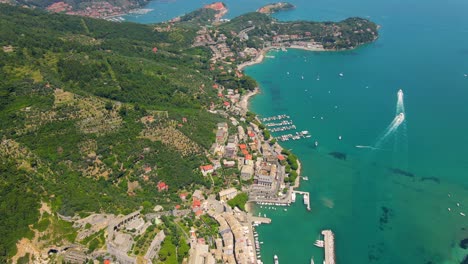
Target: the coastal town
pixel 244 169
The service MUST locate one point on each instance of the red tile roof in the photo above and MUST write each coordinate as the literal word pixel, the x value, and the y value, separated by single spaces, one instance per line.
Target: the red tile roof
pixel 242 146
pixel 281 157
pixel 248 157
pixel 196 203
pixel 206 167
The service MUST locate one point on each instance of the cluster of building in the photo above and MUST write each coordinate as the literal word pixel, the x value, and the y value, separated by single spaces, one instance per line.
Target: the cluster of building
pixel 235 243
pixel 258 162
pixel 95 9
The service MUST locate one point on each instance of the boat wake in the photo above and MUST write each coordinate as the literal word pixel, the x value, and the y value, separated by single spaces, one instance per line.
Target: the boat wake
pixel 367 147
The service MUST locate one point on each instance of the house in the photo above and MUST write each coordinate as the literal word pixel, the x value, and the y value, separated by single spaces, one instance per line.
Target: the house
pixel 229 163
pixel 183 196
pixel 281 157
pixel 162 186
pixel 247 172
pixel 221 136
pixel 230 150
pixel 206 169
pixel 227 194
pixel 222 125
pixel 241 132
pixel 197 194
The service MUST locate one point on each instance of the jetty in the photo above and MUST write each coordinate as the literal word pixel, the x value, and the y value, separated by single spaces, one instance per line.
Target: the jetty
pixel 260 220
pixel 329 246
pixel 306 197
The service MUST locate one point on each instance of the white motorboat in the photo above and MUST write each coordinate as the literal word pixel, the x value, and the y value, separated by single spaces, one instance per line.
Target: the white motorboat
pixel 275 258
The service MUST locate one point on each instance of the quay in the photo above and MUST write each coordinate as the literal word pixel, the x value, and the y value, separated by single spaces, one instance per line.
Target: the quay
pixel 306 198
pixel 329 246
pixel 261 220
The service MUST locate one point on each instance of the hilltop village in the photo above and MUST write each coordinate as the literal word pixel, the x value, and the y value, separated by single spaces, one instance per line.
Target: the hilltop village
pixel 140 143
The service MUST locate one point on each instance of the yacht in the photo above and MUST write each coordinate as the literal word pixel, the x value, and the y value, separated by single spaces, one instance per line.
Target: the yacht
pixel 275 258
pixel 293 196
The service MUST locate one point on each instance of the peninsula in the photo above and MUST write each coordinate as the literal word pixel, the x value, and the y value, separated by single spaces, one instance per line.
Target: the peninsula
pixel 275 7
pixel 133 143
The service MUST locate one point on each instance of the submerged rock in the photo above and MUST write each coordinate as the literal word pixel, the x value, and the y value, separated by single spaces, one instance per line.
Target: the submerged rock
pixel 464 243
pixel 338 155
pixel 402 172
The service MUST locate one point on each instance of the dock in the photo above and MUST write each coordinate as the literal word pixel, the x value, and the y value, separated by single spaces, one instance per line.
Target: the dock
pixel 329 246
pixel 306 198
pixel 262 220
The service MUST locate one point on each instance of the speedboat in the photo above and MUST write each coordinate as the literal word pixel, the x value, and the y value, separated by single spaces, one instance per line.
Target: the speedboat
pixel 400 118
pixel 275 258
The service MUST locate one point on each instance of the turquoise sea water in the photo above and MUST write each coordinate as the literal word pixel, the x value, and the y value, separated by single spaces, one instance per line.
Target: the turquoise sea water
pixel 378 216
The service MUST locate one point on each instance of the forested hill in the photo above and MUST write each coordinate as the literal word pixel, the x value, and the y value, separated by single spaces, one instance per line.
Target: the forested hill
pixel 93 114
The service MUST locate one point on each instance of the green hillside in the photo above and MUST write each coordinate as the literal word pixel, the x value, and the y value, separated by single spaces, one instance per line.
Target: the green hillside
pixel 85 106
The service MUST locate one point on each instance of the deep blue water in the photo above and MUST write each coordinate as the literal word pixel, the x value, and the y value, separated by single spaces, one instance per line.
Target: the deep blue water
pixel 378 216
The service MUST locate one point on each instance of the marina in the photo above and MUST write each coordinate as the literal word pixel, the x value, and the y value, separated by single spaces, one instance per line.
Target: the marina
pixel 284 123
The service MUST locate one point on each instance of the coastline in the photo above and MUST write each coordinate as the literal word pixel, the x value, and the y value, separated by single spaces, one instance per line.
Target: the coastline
pixel 244 105
pixel 261 56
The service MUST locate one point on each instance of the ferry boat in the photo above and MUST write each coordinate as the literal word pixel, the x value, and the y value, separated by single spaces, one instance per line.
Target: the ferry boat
pixel 275 258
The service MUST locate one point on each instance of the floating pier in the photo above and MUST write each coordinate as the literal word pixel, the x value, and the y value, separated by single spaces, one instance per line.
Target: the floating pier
pixel 329 246
pixel 306 198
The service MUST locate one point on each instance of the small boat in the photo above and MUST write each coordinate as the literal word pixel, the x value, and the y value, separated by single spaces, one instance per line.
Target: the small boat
pixel 339 137
pixel 319 243
pixel 275 258
pixel 462 214
pixel 458 204
pixel 302 77
pixel 341 74
pixel 316 143
pixel 287 73
pixel 312 261
pixel 318 78
pixel 449 209
pixel 285 209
